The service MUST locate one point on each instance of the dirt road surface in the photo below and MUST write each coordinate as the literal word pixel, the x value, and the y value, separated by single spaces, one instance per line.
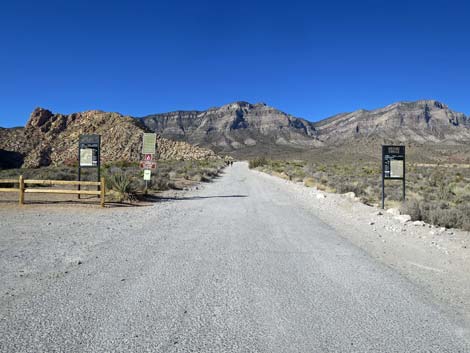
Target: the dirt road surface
pixel 240 265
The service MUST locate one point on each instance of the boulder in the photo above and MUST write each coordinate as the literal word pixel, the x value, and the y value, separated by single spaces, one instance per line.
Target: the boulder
pixel 404 218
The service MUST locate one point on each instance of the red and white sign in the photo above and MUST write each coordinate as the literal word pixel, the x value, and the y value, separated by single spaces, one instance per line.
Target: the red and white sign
pixel 148 165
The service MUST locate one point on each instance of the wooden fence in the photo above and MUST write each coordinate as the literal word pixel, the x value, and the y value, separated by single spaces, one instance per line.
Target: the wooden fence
pixel 22 189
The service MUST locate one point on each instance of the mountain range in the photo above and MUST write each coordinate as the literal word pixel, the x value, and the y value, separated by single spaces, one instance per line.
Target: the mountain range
pixel 242 125
pixel 239 128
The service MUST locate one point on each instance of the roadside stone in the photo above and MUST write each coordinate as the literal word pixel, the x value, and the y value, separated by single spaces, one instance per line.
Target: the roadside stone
pixel 419 223
pixel 403 218
pixel 394 211
pixel 321 196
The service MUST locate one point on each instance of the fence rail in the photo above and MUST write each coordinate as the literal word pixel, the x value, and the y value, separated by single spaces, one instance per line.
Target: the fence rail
pixel 22 189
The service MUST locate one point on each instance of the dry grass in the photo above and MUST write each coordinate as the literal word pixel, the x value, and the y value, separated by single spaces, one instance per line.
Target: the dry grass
pixel 436 194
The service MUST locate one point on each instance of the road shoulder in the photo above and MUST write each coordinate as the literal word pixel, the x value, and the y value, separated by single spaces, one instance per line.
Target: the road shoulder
pixel 435 259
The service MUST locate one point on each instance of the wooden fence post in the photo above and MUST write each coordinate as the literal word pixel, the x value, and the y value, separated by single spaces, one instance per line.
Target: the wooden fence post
pixel 102 187
pixel 21 190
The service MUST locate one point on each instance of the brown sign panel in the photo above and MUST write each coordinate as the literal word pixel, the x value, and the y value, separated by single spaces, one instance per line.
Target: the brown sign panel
pixel 148 165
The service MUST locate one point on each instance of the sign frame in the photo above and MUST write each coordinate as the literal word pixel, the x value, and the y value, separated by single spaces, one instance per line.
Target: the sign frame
pixel 89 142
pixel 393 155
pixel 149 142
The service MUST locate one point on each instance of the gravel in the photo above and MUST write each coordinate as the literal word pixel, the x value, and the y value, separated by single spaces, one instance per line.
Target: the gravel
pixel 247 263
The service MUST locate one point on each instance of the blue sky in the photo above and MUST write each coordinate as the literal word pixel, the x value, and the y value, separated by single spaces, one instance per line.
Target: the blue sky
pixel 310 59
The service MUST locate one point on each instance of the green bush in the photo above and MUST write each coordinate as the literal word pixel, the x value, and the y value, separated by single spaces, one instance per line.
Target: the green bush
pixel 123 185
pixel 258 162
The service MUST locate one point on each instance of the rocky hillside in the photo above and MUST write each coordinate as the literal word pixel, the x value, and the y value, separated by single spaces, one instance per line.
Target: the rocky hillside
pixel 240 128
pixel 425 121
pixel 51 138
pixel 240 125
pixel 234 126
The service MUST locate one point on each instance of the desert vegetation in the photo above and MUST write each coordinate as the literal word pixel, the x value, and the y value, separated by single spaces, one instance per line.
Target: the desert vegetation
pixel 124 180
pixel 435 193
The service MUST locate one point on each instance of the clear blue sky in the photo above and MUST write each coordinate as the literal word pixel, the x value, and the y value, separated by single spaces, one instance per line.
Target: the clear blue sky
pixel 310 59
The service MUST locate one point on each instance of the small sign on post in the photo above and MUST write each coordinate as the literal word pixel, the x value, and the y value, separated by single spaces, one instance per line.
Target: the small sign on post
pixel 147 175
pixel 152 165
pixel 149 141
pixel 393 166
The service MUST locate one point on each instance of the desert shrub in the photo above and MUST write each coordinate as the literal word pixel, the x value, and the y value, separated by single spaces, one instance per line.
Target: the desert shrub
pixel 123 185
pixel 309 182
pixel 159 183
pixel 345 187
pixel 412 207
pixel 258 162
pixel 444 217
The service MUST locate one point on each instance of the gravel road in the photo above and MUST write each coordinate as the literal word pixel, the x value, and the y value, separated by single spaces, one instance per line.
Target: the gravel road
pixel 236 266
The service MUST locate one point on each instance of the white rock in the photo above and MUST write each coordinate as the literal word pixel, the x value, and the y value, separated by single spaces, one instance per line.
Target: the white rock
pixel 350 195
pixel 394 211
pixel 403 218
pixel 321 196
pixel 419 223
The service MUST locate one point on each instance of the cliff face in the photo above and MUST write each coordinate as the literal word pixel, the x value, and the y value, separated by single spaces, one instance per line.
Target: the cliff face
pixel 240 125
pixel 52 139
pixel 234 126
pixel 425 121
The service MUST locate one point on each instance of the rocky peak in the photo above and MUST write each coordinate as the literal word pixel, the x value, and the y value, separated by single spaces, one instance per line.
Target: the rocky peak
pixel 52 139
pixel 236 106
pixel 39 117
pixel 235 125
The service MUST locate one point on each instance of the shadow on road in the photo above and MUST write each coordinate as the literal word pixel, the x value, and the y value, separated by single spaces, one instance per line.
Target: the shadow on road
pixel 153 198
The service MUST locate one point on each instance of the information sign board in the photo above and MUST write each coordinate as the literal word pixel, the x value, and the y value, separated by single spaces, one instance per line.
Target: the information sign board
pixel 149 141
pixel 393 166
pixel 89 154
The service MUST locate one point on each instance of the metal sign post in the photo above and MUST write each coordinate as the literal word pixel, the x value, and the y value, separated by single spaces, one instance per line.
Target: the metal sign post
pixel 393 166
pixel 89 155
pixel 149 141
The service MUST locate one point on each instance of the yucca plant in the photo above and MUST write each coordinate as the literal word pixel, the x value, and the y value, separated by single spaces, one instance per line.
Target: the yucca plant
pixel 123 185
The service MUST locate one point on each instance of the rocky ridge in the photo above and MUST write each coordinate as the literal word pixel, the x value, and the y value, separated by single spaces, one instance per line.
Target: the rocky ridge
pixel 234 126
pixel 52 139
pixel 424 121
pixel 243 125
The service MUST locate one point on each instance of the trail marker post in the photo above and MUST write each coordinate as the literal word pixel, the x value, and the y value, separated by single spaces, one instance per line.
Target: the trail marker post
pixel 393 167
